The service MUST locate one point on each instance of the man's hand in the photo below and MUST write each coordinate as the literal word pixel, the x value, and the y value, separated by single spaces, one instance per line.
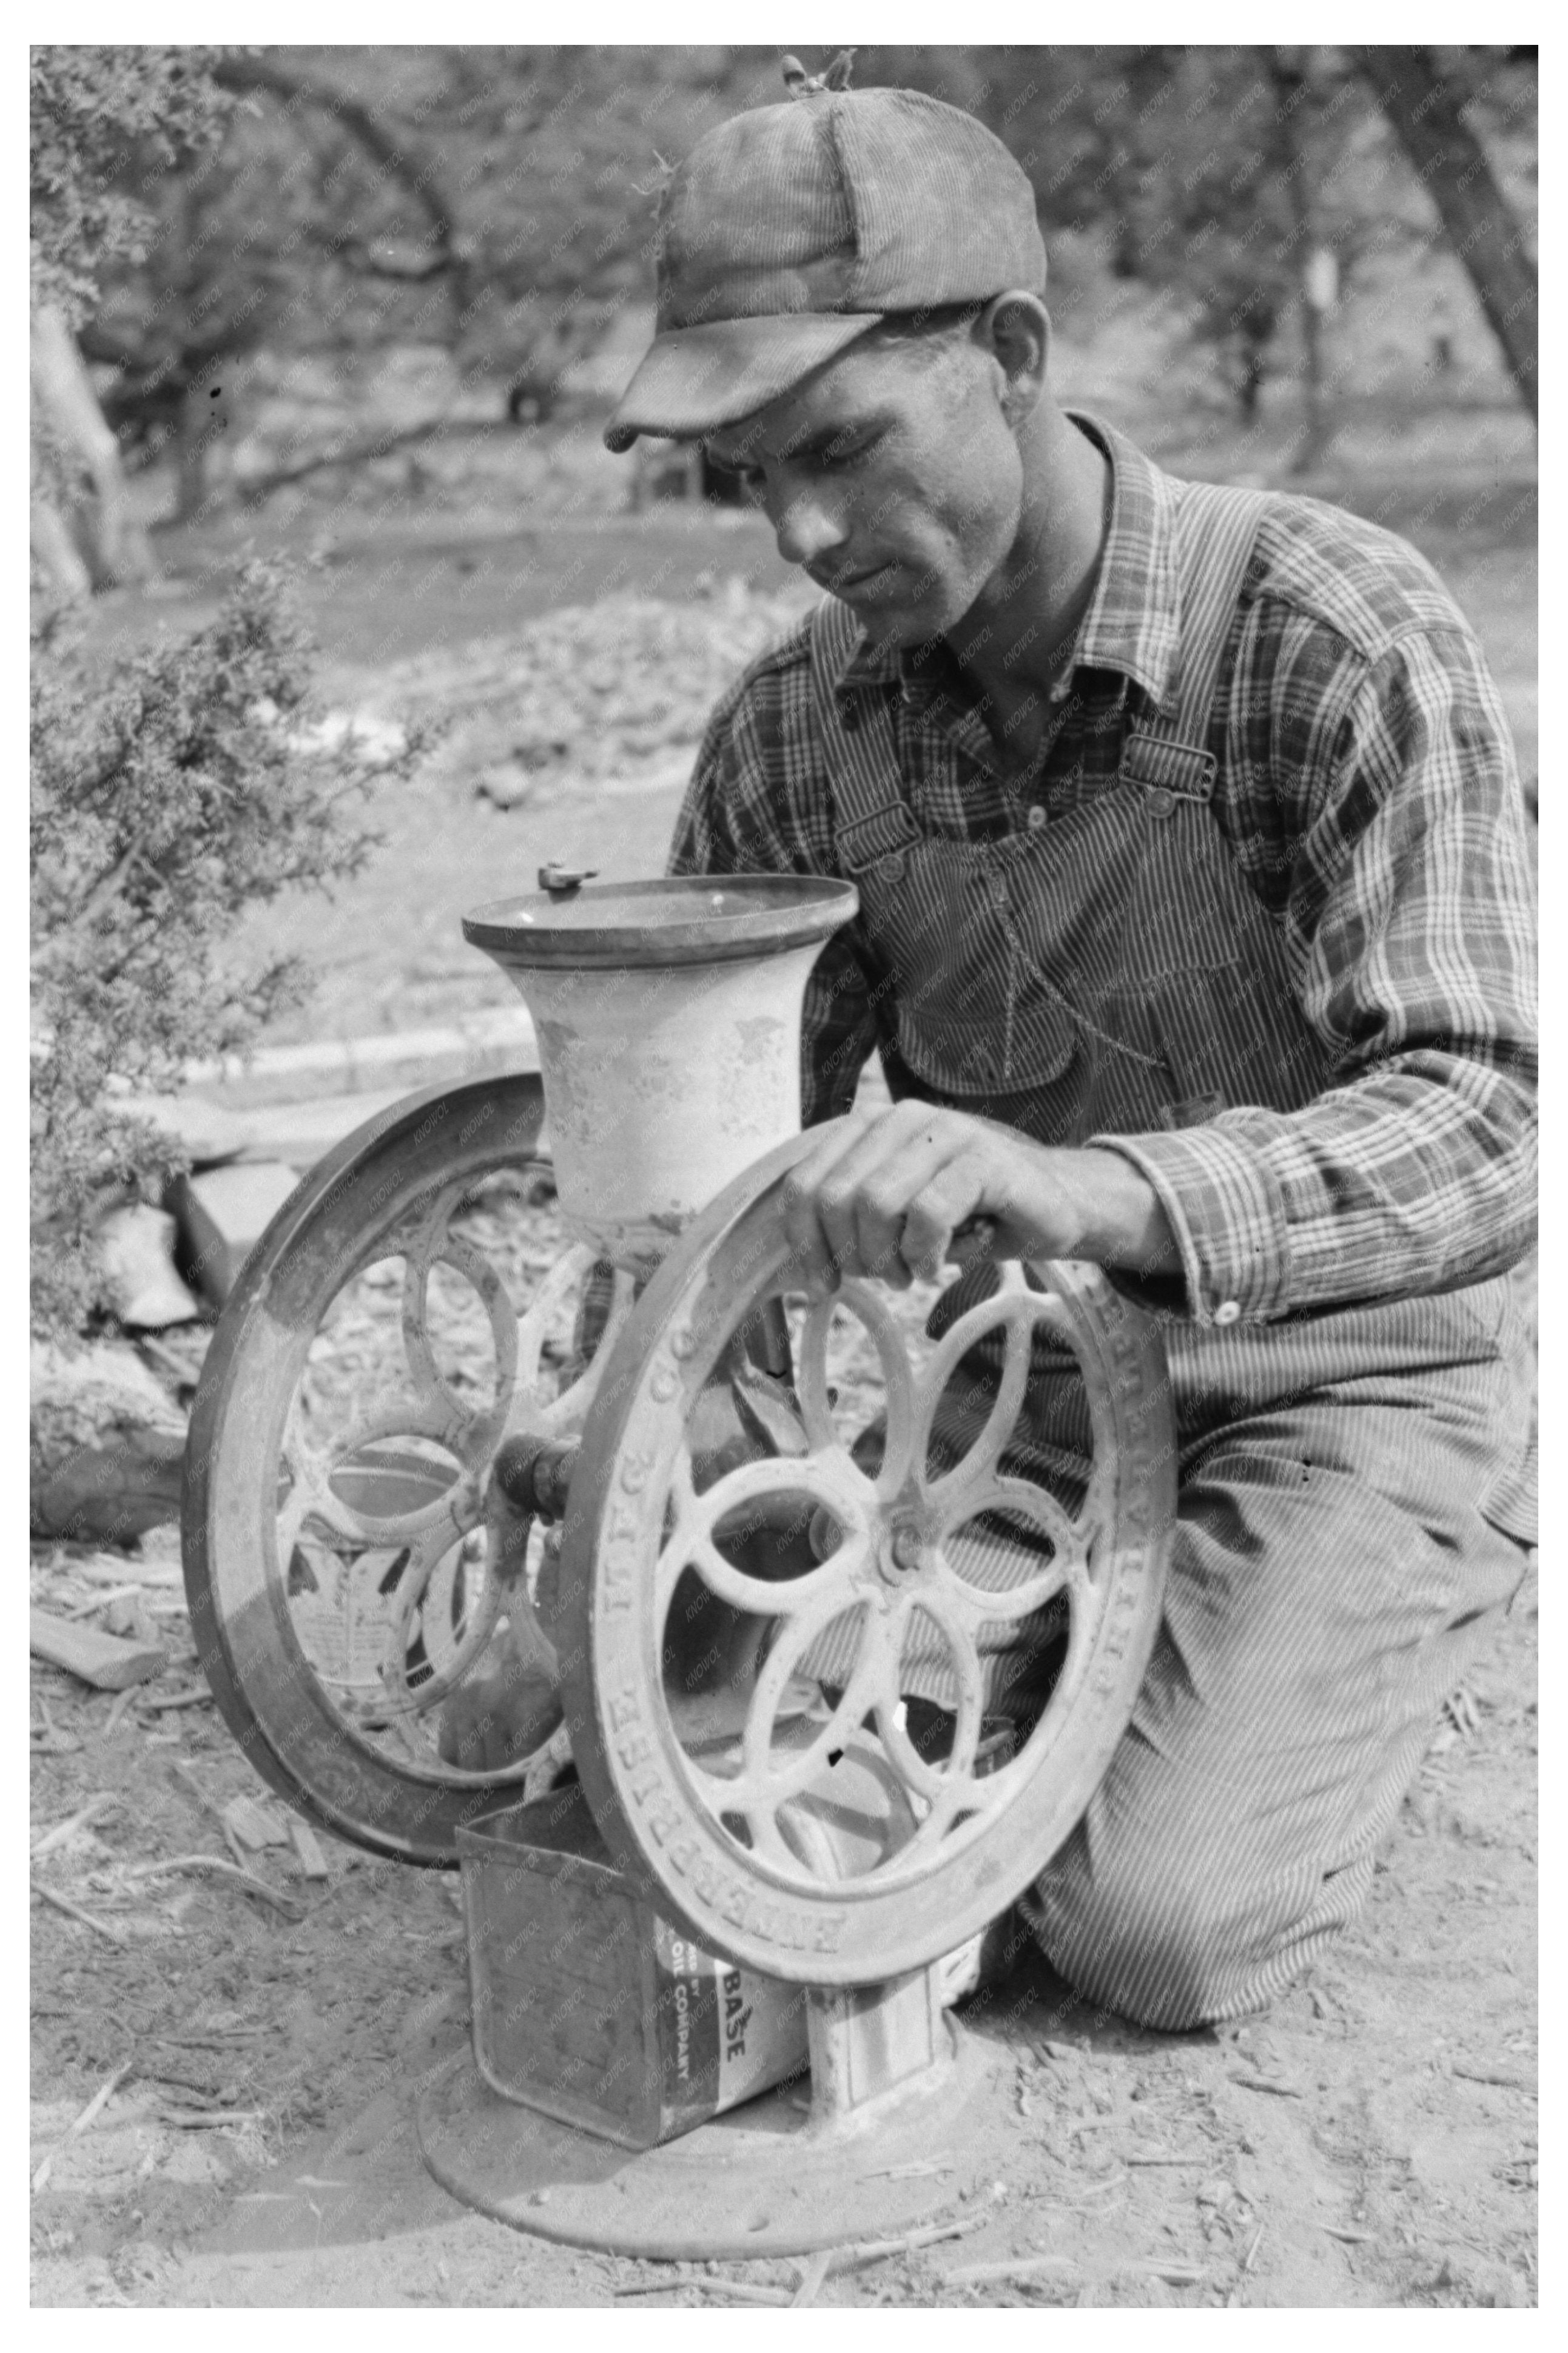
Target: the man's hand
pixel 884 1196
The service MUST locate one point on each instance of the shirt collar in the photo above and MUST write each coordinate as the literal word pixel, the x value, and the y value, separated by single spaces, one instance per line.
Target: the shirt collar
pixel 1133 623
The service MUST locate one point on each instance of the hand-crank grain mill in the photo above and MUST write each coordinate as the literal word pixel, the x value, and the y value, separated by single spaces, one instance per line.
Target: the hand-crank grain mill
pixel 717 1558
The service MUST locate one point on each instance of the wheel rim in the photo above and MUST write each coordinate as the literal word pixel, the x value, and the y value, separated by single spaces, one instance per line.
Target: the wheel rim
pixel 400 1317
pixel 920 1560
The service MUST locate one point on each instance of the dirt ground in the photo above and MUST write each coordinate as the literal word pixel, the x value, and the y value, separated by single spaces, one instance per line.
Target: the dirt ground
pixel 1371 2142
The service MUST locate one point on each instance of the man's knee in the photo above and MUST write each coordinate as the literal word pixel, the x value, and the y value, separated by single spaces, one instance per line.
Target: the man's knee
pixel 1167 1952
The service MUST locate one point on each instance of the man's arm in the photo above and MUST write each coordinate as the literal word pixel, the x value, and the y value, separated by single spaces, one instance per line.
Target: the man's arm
pixel 1410 935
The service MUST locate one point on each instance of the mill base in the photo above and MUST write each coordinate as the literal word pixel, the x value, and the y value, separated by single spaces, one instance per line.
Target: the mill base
pixel 768 2179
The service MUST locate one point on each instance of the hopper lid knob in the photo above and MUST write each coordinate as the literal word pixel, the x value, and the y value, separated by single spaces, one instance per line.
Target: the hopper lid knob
pixel 560 879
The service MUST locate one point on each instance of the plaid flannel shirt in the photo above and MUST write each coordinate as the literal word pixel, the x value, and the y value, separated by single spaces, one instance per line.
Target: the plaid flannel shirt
pixel 1370 797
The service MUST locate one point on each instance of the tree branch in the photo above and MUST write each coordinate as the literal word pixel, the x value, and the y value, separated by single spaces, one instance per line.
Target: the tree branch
pixel 360 453
pixel 379 139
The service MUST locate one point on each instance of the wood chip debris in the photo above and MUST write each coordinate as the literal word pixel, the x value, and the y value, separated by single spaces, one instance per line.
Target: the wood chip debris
pixel 209 2119
pixel 927 2234
pixel 120 1706
pixel 219 1869
pixel 194 1788
pixel 743 2291
pixel 308 1850
pixel 1275 2084
pixel 47 1840
pixel 102 1600
pixel 109 1928
pixel 1007 2267
pixel 252 1825
pixel 83 2122
pixel 92 1656
pixel 100 1569
pixel 47 1738
pixel 849 2257
pixel 812 2276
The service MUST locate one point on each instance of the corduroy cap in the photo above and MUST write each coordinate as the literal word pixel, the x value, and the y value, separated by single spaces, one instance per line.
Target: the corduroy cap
pixel 789 231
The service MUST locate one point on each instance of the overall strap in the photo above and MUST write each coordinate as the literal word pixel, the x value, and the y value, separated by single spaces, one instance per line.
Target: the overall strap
pixel 871 817
pixel 1216 526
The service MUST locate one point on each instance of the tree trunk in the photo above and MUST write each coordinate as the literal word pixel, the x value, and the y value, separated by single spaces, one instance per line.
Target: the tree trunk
pixel 191 439
pixel 1288 74
pixel 1425 114
pixel 55 553
pixel 1318 433
pixel 118 549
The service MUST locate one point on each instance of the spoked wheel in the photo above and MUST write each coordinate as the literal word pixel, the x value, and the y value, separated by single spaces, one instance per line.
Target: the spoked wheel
pixel 934 1617
pixel 409 1309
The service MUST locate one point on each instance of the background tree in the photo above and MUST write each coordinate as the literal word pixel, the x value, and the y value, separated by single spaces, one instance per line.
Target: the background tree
pixel 98 114
pixel 1432 99
pixel 494 203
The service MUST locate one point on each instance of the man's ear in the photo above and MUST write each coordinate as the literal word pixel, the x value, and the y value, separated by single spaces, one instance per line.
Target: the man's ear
pixel 1016 328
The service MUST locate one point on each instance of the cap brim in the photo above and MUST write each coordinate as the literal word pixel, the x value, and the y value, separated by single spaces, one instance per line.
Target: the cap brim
pixel 694 378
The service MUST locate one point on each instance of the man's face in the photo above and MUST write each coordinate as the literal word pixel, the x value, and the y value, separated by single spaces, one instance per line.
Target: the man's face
pixel 893 475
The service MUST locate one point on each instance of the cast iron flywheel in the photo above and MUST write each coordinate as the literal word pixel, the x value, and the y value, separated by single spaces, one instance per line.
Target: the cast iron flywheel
pixel 409 1309
pixel 931 1634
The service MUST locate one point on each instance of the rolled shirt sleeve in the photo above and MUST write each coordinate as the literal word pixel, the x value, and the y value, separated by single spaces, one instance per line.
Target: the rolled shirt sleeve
pixel 1410 935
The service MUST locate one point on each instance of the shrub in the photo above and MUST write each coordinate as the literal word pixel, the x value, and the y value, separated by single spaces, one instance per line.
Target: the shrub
pixel 169 795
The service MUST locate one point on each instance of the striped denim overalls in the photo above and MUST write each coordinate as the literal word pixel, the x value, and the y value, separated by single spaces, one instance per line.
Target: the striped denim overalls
pixel 1111 971
pixel 1334 1563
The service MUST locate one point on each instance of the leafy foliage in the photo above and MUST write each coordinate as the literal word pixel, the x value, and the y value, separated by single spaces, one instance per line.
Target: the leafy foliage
pixel 167 800
pixel 98 114
pixel 180 789
pixel 494 201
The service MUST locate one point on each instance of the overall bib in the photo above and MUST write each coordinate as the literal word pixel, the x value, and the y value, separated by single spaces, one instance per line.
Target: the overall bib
pixel 1334 1565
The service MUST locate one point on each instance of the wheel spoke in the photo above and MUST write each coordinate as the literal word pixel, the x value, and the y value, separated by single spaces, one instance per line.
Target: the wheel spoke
pixel 861 1301
pixel 1019 1499
pixel 769 1776
pixel 424 1559
pixel 844 1490
pixel 1017 1314
pixel 562 1415
pixel 788 1649
pixel 955 1781
pixel 757 1597
pixel 569 1273
pixel 311 1499
pixel 436 1245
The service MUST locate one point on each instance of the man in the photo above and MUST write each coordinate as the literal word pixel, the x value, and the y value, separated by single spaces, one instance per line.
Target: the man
pixel 1195 939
